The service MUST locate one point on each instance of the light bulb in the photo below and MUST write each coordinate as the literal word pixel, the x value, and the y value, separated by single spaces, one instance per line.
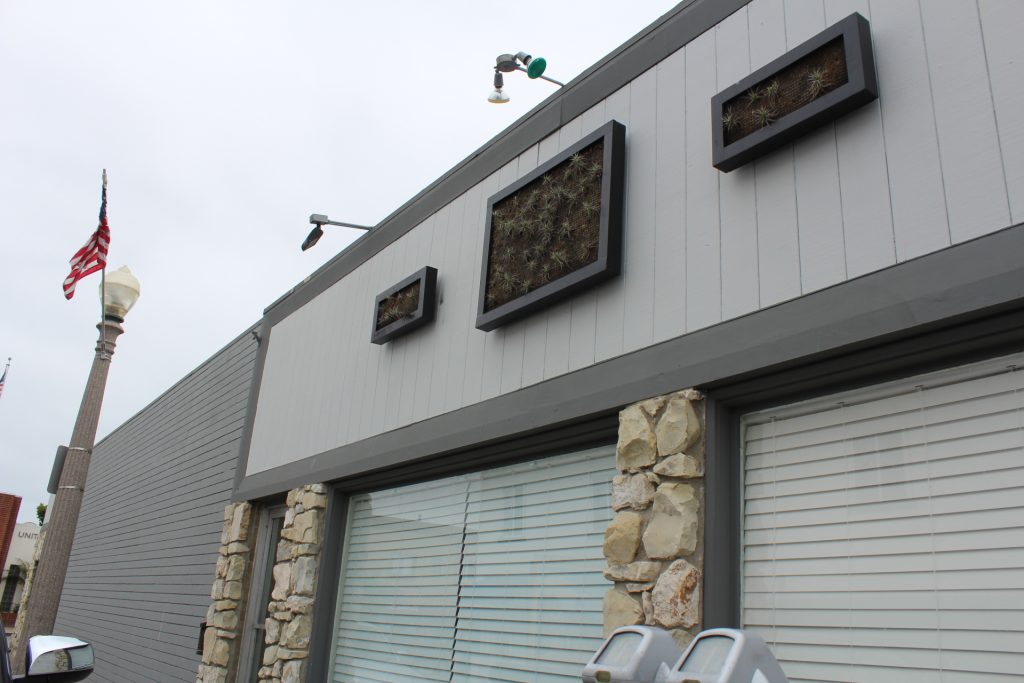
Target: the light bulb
pixel 498 97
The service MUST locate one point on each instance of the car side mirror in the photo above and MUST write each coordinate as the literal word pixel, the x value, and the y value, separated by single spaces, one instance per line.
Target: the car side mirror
pixel 58 659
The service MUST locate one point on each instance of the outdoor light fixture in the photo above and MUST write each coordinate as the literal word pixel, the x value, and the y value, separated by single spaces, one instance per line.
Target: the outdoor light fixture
pixel 498 97
pixel 507 63
pixel 320 220
pixel 120 293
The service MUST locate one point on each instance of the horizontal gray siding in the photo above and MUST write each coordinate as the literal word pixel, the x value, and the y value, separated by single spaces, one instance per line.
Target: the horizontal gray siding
pixel 138 583
pixel 934 162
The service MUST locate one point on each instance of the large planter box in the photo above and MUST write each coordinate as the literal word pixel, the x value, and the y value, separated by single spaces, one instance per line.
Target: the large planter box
pixel 405 307
pixel 556 231
pixel 822 79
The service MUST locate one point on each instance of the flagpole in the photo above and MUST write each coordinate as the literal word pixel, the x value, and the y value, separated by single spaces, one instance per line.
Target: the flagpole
pixel 103 313
pixel 103 288
pixel 3 377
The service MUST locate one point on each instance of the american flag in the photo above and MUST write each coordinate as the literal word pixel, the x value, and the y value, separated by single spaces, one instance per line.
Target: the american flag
pixel 93 255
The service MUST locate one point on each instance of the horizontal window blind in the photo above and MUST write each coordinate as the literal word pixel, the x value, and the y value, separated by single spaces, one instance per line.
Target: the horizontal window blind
pixel 532 584
pixel 884 530
pixel 397 608
pixel 490 576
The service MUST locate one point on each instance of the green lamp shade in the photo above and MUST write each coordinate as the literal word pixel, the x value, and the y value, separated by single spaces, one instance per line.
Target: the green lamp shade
pixel 536 67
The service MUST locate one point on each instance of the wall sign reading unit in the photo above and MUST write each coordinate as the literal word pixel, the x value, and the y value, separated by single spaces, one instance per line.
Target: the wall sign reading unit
pixel 827 76
pixel 407 306
pixel 555 231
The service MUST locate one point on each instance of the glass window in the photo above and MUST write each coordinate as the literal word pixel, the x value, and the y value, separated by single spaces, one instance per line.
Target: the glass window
pixel 495 575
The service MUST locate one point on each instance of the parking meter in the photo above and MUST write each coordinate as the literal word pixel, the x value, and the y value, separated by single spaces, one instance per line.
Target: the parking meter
pixel 724 655
pixel 631 654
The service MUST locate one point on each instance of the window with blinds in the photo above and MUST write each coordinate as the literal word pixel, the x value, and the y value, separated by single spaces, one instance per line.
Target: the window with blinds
pixel 491 576
pixel 884 530
pixel 400 582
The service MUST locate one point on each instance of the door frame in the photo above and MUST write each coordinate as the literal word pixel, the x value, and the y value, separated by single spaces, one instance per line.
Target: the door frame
pixel 268 534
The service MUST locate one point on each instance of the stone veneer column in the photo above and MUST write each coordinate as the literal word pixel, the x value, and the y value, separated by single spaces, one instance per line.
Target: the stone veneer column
pixel 654 544
pixel 289 616
pixel 226 614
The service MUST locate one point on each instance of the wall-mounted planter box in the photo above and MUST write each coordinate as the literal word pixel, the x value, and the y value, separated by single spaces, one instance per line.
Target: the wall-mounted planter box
pixel 556 231
pixel 824 78
pixel 407 306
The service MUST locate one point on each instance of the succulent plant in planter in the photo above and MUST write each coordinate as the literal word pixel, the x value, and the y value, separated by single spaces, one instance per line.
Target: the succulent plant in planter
pixel 399 305
pixel 554 231
pixel 785 91
pixel 406 306
pixel 819 80
pixel 537 233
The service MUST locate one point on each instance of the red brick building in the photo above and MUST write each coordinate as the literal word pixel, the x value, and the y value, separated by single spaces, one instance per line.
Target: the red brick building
pixel 9 506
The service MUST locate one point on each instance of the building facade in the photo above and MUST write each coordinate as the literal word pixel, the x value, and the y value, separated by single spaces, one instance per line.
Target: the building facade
pixel 138 586
pixel 16 566
pixel 789 399
pixel 795 407
pixel 9 506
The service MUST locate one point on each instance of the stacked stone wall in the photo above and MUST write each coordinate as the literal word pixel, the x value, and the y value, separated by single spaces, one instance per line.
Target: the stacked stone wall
pixel 289 615
pixel 654 544
pixel 226 613
pixel 289 619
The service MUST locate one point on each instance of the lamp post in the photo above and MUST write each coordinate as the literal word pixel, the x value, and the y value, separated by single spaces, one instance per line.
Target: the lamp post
pixel 119 294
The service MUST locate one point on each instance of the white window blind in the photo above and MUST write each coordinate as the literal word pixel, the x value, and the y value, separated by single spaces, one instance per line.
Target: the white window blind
pixel 884 530
pixel 532 584
pixel 397 609
pixel 491 576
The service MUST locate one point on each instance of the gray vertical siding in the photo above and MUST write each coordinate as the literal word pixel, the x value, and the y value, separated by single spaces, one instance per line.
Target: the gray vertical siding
pixel 139 579
pixel 934 162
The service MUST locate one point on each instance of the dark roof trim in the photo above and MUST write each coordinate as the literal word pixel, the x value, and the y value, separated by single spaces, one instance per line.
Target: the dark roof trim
pixel 652 45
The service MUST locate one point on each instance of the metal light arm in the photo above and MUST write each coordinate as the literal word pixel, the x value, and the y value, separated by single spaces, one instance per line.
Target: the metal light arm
pixel 542 76
pixel 320 220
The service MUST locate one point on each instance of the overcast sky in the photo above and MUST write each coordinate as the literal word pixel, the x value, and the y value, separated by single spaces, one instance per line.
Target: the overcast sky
pixel 223 125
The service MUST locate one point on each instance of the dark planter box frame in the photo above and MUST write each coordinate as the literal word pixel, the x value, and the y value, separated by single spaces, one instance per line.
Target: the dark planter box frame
pixel 424 313
pixel 860 88
pixel 609 255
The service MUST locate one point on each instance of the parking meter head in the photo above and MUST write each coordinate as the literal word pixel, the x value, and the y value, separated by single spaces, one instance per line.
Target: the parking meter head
pixel 631 654
pixel 725 656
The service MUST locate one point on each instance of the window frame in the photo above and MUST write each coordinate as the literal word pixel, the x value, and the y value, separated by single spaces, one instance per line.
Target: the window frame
pixel 596 430
pixel 957 342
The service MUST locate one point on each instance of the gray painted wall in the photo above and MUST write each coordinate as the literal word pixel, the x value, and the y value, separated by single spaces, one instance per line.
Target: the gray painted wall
pixel 138 583
pixel 936 161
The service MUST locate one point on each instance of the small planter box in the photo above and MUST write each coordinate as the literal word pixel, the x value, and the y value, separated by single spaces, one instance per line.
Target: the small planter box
pixel 824 78
pixel 407 306
pixel 556 231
